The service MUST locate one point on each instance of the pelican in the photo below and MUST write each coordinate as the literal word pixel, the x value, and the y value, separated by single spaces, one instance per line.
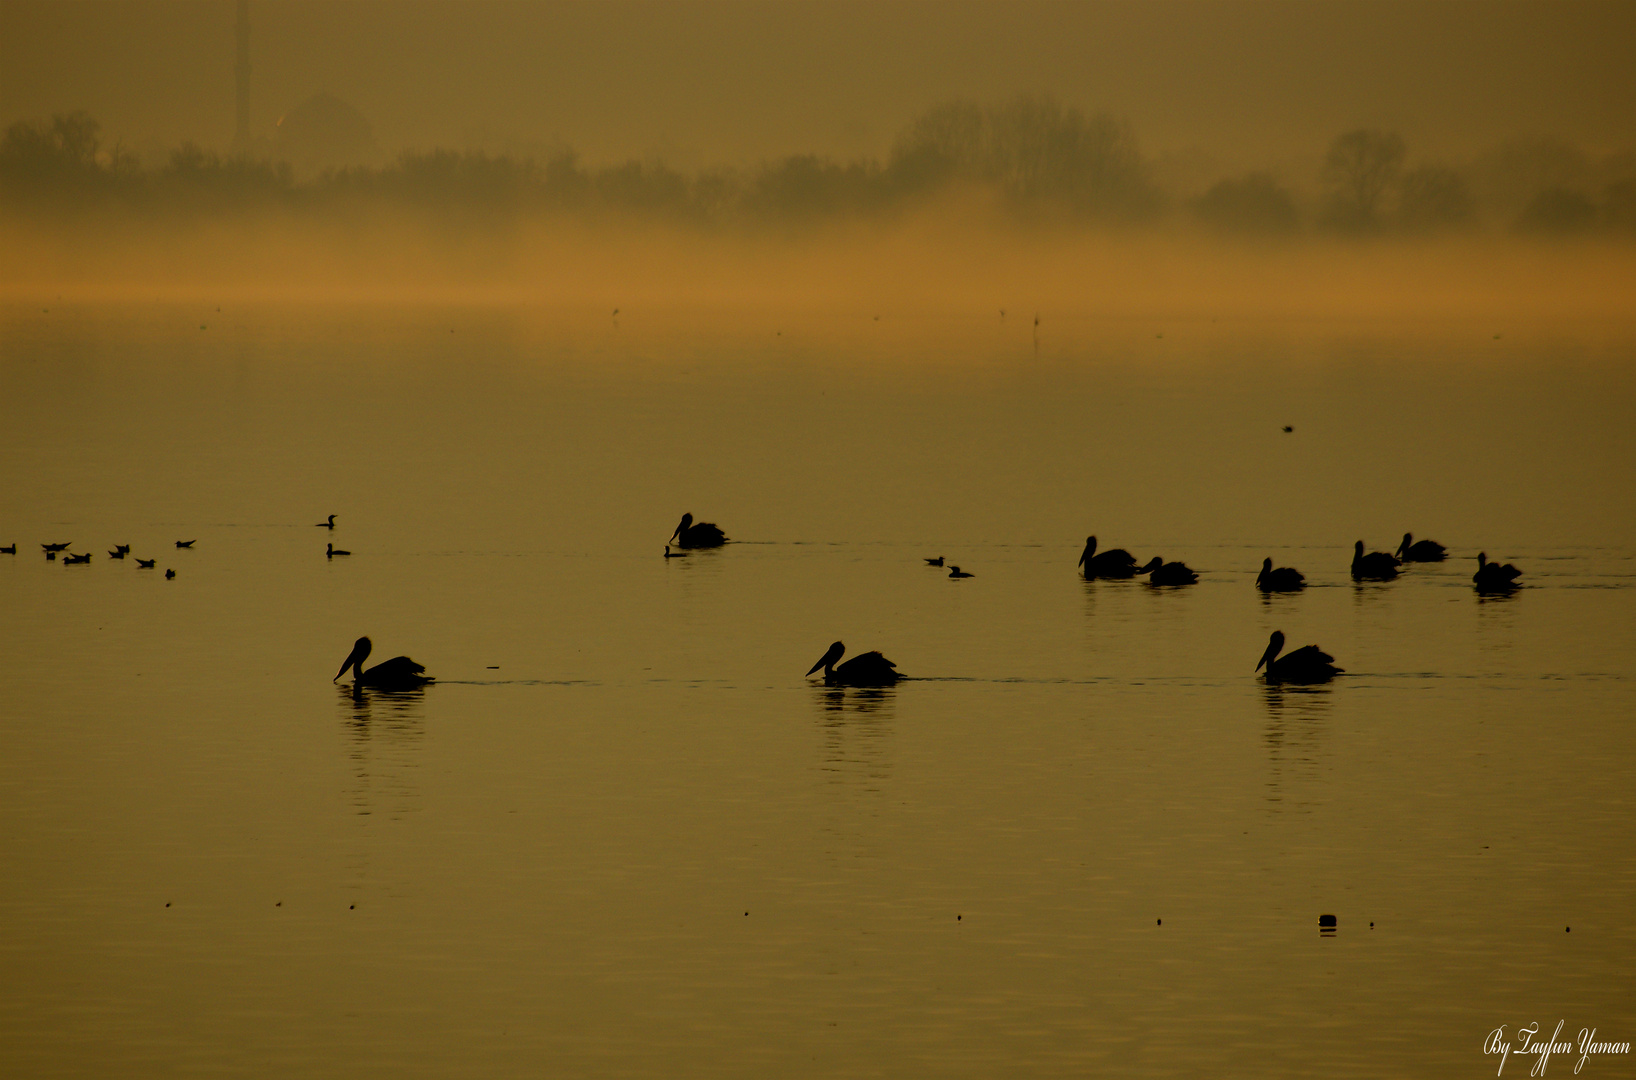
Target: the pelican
pixel 1160 572
pixel 51 548
pixel 702 535
pixel 123 549
pixel 118 552
pixel 1493 577
pixel 865 669
pixel 956 572
pixel 935 562
pixel 1375 566
pixel 185 543
pixel 169 574
pixel 1283 579
pixel 330 551
pixel 330 524
pixel 398 673
pixel 1424 551
pixel 1117 563
pixel 70 557
pixel 12 550
pixel 146 564
pixel 1308 664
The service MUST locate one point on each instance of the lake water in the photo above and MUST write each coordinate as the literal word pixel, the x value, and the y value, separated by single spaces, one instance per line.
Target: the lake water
pixel 622 836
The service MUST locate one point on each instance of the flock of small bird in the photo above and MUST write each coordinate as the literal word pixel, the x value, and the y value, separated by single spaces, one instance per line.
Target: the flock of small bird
pixel 69 558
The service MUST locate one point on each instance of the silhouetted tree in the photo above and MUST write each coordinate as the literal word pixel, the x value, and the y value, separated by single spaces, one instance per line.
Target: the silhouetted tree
pixel 1432 197
pixel 1250 204
pixel 1357 171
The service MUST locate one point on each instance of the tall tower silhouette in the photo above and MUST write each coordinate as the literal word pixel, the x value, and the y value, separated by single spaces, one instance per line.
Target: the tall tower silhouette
pixel 241 71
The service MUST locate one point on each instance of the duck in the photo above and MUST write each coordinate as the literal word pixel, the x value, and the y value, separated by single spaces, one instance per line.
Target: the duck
pixel 935 562
pixel 1375 566
pixel 1160 572
pixel 1420 551
pixel 1283 579
pixel 330 524
pixel 146 564
pixel 956 572
pixel 70 558
pixel 117 553
pixel 1115 563
pixel 1494 577
pixel 185 543
pixel 865 669
pixel 398 673
pixel 1308 664
pixel 702 535
pixel 330 551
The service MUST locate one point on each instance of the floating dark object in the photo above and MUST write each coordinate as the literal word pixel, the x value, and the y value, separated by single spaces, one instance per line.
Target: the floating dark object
pixel 69 558
pixel 185 543
pixel 51 556
pixel 1493 577
pixel 1288 429
pixel 1160 572
pixel 117 553
pixel 1412 550
pixel 701 535
pixel 1308 664
pixel 12 550
pixel 1326 922
pixel 398 673
pixel 1114 563
pixel 865 669
pixel 1283 579
pixel 169 574
pixel 956 572
pixel 935 562
pixel 330 551
pixel 123 549
pixel 146 564
pixel 55 547
pixel 1375 566
pixel 330 524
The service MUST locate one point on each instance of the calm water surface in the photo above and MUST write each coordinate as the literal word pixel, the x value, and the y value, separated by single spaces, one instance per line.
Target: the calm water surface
pixel 623 837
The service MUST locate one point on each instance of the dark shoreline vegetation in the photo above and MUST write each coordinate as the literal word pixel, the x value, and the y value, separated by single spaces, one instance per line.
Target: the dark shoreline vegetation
pixel 1032 157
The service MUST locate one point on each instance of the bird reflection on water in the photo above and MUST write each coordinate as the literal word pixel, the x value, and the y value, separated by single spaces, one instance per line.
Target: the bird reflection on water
pixel 385 730
pixel 855 724
pixel 1297 721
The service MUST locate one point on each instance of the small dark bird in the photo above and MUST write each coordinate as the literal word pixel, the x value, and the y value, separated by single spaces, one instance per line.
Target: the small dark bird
pixel 330 524
pixel 1308 664
pixel 70 558
pixel 956 572
pixel 1283 579
pixel 702 535
pixel 398 673
pixel 669 554
pixel 1412 550
pixel 51 556
pixel 935 562
pixel 146 564
pixel 123 549
pixel 55 547
pixel 1160 572
pixel 185 543
pixel 1493 577
pixel 1288 429
pixel 866 669
pixel 330 551
pixel 1114 563
pixel 117 553
pixel 169 574
pixel 1375 566
pixel 12 550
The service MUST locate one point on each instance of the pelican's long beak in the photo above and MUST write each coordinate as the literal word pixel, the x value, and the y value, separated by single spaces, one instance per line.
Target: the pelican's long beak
pixel 1272 651
pixel 833 654
pixel 360 651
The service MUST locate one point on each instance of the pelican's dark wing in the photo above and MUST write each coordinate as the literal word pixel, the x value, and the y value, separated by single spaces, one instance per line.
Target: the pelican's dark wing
pixel 867 669
pixel 397 669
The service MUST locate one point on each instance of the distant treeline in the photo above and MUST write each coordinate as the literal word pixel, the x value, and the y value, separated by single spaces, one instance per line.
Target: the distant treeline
pixel 1031 155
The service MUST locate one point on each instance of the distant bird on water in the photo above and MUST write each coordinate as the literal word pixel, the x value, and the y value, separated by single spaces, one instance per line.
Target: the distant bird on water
pixel 935 562
pixel 702 535
pixel 956 572
pixel 71 558
pixel 330 524
pixel 169 574
pixel 330 551
pixel 146 564
pixel 1375 566
pixel 185 543
pixel 117 553
pixel 1308 664
pixel 398 673
pixel 1494 577
pixel 1160 572
pixel 51 549
pixel 865 669
pixel 123 549
pixel 1114 563
pixel 1283 579
pixel 1422 551
pixel 12 550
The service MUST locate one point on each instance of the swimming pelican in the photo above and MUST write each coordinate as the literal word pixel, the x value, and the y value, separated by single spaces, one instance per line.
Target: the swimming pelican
pixel 70 557
pixel 51 548
pixel 12 550
pixel 865 669
pixel 702 535
pixel 1308 664
pixel 398 673
pixel 956 572
pixel 118 552
pixel 1423 551
pixel 1493 577
pixel 330 551
pixel 1160 572
pixel 1375 566
pixel 330 524
pixel 185 543
pixel 146 564
pixel 1283 579
pixel 935 562
pixel 1117 563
